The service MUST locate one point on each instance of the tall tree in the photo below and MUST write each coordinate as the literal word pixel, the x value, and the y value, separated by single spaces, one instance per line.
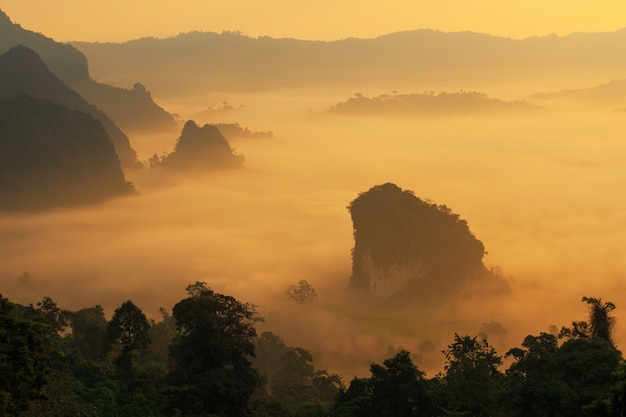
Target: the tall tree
pixel 600 322
pixel 129 329
pixel 211 354
pixel 472 378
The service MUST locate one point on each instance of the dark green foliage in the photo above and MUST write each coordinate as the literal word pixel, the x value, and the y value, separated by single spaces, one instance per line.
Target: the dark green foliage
pixel 24 359
pixel 89 335
pixel 397 388
pixel 212 373
pixel 290 378
pixel 52 156
pixel 471 376
pixel 547 379
pixel 600 322
pixel 129 329
pixel 393 229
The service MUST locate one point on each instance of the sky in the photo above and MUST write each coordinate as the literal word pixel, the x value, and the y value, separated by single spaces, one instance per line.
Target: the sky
pixel 120 20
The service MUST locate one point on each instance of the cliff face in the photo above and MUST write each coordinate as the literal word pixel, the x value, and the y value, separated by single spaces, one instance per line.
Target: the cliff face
pixel 201 149
pixel 403 245
pixel 51 156
pixel 23 72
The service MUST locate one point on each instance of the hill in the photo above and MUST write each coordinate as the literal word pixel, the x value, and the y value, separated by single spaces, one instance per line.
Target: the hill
pixel 414 59
pixel 427 104
pixel 23 72
pixel 608 94
pixel 51 156
pixel 405 247
pixel 131 109
pixel 200 149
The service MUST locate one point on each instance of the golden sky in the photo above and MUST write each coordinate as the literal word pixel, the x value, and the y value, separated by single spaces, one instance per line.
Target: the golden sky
pixel 119 20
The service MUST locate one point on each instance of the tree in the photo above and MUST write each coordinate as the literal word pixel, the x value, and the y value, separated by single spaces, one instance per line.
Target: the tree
pixel 472 378
pixel 211 369
pixel 24 360
pixel 303 293
pixel 89 332
pixel 129 329
pixel 395 388
pixel 600 322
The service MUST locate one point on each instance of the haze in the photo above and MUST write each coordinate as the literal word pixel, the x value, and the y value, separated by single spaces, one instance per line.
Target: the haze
pixel 117 20
pixel 542 190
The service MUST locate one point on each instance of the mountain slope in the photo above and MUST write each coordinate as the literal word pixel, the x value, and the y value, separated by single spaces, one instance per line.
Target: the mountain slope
pixel 23 72
pixel 129 110
pixel 52 156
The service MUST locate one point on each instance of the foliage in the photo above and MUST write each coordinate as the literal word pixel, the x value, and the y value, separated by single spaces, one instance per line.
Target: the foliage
pixel 471 376
pixel 211 355
pixel 600 322
pixel 303 293
pixel 128 328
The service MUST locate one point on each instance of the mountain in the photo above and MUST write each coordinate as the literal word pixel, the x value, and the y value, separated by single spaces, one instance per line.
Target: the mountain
pixel 131 109
pixel 608 94
pixel 405 247
pixel 427 104
pixel 200 149
pixel 51 156
pixel 414 59
pixel 23 72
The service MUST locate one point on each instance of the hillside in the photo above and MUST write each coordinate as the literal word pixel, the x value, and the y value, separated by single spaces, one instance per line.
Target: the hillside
pixel 608 94
pixel 200 149
pixel 51 156
pixel 130 109
pixel 23 72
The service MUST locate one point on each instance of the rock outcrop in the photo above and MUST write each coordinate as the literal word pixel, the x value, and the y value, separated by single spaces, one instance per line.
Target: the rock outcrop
pixel 201 149
pixel 405 247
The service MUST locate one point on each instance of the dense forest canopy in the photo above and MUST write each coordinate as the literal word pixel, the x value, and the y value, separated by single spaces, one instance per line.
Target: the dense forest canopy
pixel 206 359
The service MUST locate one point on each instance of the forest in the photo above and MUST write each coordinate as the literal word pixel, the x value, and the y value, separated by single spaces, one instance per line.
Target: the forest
pixel 206 359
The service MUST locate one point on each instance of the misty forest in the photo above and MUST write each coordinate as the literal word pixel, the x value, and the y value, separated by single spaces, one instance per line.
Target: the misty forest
pixel 418 224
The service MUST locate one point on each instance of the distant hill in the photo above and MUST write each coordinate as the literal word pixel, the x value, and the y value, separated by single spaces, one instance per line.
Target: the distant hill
pixel 427 104
pixel 200 149
pixel 609 94
pixel 414 59
pixel 51 156
pixel 23 72
pixel 235 131
pixel 407 248
pixel 131 109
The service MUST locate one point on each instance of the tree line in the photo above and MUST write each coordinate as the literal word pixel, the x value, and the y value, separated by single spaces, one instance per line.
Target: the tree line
pixel 206 359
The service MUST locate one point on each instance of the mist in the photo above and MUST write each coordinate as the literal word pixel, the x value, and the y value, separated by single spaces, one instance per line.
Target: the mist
pixel 541 190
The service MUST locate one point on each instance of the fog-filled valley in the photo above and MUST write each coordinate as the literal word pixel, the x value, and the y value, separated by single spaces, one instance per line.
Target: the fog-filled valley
pixel 532 161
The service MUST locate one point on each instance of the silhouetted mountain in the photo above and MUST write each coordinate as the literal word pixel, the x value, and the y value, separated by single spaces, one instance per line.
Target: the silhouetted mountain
pixel 608 94
pixel 427 104
pixel 420 58
pixel 235 130
pixel 51 156
pixel 23 72
pixel 200 149
pixel 407 247
pixel 131 109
